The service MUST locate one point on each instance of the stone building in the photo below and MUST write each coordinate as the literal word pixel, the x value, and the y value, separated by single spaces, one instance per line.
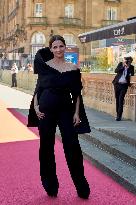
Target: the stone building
pixel 26 25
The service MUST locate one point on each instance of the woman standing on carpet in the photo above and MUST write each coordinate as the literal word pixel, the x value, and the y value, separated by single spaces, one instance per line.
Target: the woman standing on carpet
pixel 58 101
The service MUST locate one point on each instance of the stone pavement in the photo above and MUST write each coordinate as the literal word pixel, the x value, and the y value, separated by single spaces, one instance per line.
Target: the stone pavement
pixel 103 121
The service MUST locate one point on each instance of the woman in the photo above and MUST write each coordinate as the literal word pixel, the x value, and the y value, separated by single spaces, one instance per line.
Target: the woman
pixel 57 101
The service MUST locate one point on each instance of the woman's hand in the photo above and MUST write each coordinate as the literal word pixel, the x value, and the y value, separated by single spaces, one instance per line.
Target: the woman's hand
pixel 39 114
pixel 76 119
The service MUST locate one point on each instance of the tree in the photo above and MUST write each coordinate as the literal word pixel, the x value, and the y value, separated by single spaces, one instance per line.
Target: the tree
pixel 102 59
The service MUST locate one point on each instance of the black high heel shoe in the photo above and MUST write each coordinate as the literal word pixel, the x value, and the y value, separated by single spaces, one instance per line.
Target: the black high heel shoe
pixel 84 194
pixel 83 189
pixel 52 191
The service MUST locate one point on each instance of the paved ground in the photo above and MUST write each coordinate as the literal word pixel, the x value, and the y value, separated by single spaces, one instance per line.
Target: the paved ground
pixel 105 121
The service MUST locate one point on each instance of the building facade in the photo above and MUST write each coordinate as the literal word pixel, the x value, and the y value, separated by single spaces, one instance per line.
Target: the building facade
pixel 27 25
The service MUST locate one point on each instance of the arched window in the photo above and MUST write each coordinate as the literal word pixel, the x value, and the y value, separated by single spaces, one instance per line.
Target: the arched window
pixel 38 38
pixel 70 39
pixel 37 41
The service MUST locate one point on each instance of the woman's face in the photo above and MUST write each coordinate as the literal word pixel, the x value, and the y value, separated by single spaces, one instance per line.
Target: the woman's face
pixel 58 49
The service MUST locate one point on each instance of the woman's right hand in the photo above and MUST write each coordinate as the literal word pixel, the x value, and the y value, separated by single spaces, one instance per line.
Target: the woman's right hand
pixel 39 114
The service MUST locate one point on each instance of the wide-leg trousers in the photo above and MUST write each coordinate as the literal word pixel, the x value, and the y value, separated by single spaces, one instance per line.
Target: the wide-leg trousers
pixel 71 146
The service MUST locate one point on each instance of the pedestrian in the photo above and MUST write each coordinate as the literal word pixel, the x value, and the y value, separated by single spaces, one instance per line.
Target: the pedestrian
pixel 30 67
pixel 14 71
pixel 22 68
pixel 121 82
pixel 58 101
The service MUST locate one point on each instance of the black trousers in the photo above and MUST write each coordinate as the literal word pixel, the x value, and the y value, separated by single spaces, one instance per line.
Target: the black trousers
pixel 14 80
pixel 71 146
pixel 120 92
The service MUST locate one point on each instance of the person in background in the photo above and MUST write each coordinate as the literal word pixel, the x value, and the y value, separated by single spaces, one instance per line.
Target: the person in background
pixel 58 101
pixel 14 71
pixel 121 82
pixel 29 67
pixel 22 68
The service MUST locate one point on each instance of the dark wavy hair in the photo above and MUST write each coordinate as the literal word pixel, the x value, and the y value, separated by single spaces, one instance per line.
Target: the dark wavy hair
pixel 56 37
pixel 130 59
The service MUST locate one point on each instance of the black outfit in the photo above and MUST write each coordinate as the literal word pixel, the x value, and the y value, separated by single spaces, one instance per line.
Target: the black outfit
pixel 57 94
pixel 121 88
pixel 14 80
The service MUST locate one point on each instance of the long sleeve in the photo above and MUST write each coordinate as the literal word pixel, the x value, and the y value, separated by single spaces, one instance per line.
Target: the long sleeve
pixel 119 68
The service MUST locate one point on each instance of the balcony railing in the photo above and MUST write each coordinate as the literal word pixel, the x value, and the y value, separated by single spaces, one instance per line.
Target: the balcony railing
pixel 116 1
pixel 73 22
pixel 34 21
pixel 109 22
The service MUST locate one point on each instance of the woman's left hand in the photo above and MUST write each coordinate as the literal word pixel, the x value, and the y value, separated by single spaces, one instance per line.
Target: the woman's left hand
pixel 76 119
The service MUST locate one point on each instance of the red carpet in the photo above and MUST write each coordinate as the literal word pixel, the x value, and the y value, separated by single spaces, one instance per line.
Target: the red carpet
pixel 20 181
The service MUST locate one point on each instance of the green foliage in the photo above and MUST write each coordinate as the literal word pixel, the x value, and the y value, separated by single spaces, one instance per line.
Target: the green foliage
pixel 102 60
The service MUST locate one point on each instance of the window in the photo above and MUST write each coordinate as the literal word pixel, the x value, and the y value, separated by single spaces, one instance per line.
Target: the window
pixel 17 2
pixel 38 38
pixel 38 10
pixel 70 39
pixel 37 41
pixel 69 10
pixel 111 13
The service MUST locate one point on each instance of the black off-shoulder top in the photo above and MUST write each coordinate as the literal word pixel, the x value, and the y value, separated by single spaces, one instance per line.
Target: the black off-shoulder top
pixel 56 88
